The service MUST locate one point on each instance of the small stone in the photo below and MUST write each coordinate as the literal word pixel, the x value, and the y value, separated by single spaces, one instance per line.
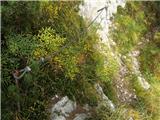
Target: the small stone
pixel 124 57
pixel 125 92
pixel 118 96
pixel 86 107
pixel 130 100
pixel 121 90
pixel 82 116
pixel 59 118
pixel 130 95
pixel 27 69
pixel 56 96
pixel 117 86
pixel 140 43
pixel 130 118
pixel 135 53
pixel 135 97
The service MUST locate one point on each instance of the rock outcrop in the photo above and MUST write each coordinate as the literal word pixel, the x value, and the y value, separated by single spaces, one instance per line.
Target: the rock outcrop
pixel 65 109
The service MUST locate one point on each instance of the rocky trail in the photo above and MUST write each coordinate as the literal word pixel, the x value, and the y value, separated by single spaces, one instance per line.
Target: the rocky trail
pixel 65 109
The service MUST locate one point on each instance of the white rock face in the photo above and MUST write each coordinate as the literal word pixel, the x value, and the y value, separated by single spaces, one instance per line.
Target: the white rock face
pixel 90 8
pixel 104 97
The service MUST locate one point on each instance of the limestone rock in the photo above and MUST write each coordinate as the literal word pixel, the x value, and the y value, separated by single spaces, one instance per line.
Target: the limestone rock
pixel 104 97
pixel 82 116
pixel 65 108
pixel 62 108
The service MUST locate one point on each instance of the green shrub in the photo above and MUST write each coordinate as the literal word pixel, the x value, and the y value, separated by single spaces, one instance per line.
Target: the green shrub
pixel 129 27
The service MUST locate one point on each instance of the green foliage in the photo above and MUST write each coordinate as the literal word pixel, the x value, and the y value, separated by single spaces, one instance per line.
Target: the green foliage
pixel 129 26
pixel 69 72
pixel 104 113
pixel 106 65
pixel 21 45
pixel 151 52
pixel 16 16
pixel 48 42
pixel 63 17
pixel 152 13
pixel 55 30
pixel 151 70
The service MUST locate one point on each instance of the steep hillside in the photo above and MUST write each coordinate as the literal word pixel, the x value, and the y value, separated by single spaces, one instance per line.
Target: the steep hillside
pixel 77 60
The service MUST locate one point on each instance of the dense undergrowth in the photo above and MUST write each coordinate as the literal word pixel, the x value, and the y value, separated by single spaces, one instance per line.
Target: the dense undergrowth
pixel 139 23
pixel 51 30
pixel 32 31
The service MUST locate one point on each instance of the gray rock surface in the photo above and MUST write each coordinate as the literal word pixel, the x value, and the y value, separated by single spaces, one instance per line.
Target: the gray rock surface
pixel 104 97
pixel 65 108
pixel 62 108
pixel 57 117
pixel 82 116
pixel 136 70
